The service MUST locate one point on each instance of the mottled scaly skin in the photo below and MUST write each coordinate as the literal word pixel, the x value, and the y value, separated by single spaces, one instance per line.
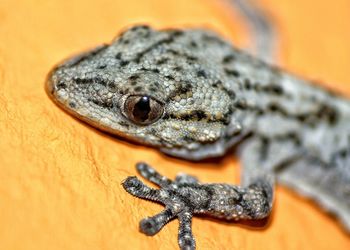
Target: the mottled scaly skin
pixel 193 95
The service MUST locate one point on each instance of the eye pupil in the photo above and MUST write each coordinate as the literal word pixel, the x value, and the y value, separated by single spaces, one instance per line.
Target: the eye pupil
pixel 142 109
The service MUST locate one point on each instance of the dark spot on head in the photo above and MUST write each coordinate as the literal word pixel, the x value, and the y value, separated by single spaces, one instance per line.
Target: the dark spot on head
pixel 156 71
pixel 185 117
pixel 230 93
pixel 125 41
pixel 241 104
pixel 226 121
pixel 328 113
pixel 93 80
pixel 294 137
pixel 169 77
pixel 275 89
pixel 264 149
pixel 193 44
pixel 100 81
pixel 180 89
pixel 134 77
pixel 102 104
pixel 188 139
pixel 173 116
pixel 178 68
pixel 102 66
pixel 72 105
pixel 228 58
pixel 162 61
pixel 257 87
pixel 166 116
pixel 124 63
pixel 274 107
pixel 153 89
pixel 192 58
pixel 184 88
pixel 61 85
pixel 118 56
pixel 259 111
pixel 232 72
pixel 231 109
pixel 138 88
pixel 202 73
pixel 333 117
pixel 211 38
pixel 247 84
pixel 301 117
pixel 174 52
pixel 343 153
pixel 111 85
pixel 198 115
pixel 82 80
pixel 175 32
pixel 217 84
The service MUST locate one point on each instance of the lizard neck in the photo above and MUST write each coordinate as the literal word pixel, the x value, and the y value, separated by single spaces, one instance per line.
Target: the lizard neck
pixel 278 105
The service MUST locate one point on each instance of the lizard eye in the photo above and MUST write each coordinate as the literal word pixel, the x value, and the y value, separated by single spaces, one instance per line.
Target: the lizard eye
pixel 143 110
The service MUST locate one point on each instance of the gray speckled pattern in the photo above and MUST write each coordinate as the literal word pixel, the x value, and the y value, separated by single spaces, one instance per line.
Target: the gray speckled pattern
pixel 193 95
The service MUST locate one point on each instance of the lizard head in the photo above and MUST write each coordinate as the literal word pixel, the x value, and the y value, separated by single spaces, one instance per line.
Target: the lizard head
pixel 161 88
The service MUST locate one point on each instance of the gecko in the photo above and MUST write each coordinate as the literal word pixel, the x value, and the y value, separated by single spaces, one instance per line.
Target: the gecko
pixel 194 95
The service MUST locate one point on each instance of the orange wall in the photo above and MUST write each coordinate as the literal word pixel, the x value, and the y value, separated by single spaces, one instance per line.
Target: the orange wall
pixel 60 179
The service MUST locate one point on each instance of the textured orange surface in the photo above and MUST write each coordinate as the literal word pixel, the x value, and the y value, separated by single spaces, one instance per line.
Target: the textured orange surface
pixel 60 179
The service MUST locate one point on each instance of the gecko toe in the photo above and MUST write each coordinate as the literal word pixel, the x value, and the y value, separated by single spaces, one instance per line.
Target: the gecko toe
pixel 149 226
pixel 131 184
pixel 137 188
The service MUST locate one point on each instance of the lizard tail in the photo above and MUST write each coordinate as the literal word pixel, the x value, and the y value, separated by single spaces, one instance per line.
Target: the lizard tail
pixel 261 28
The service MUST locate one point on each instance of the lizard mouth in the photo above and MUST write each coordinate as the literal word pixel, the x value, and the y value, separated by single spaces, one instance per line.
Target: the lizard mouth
pixel 206 151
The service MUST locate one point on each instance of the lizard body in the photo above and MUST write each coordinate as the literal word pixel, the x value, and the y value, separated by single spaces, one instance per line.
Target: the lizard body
pixel 193 95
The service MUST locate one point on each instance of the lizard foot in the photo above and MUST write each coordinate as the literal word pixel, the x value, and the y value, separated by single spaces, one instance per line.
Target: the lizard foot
pixel 185 196
pixel 171 195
